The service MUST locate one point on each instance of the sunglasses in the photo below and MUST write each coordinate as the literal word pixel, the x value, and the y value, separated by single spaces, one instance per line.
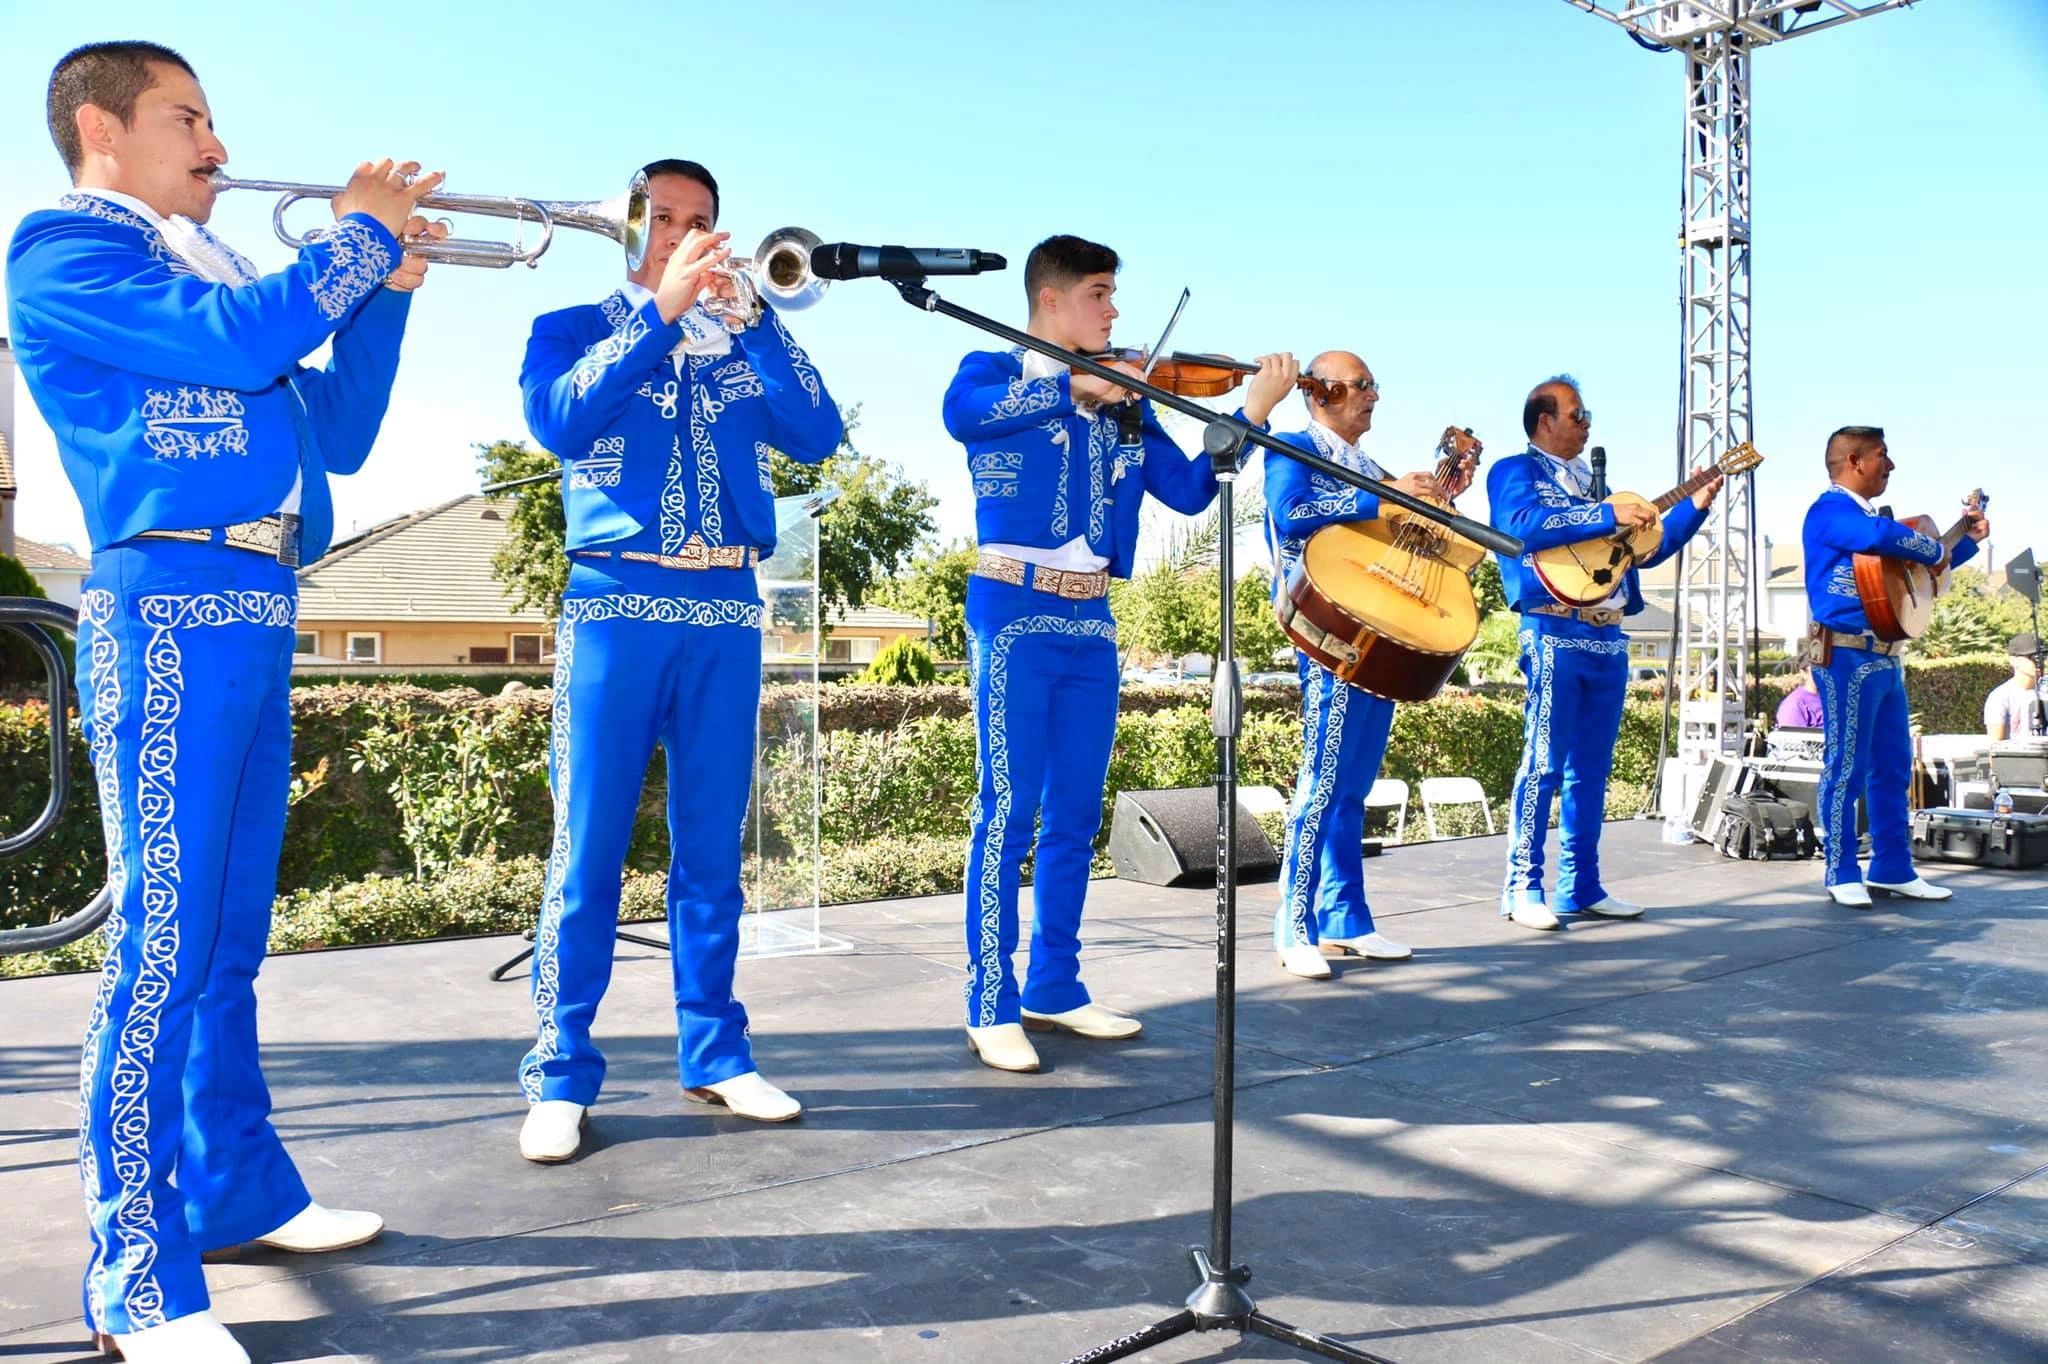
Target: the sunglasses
pixel 1582 415
pixel 1337 386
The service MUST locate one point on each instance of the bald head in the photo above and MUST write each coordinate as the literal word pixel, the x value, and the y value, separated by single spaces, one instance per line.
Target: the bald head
pixel 1353 394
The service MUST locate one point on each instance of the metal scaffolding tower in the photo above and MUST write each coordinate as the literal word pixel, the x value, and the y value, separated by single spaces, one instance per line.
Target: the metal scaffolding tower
pixel 1715 595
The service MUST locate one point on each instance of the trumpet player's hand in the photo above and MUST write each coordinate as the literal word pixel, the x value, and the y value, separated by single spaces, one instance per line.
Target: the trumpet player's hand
pixel 689 272
pixel 1274 381
pixel 1086 388
pixel 412 269
pixel 386 190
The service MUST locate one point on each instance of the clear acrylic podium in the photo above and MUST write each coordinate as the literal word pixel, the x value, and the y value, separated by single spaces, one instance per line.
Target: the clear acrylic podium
pixel 783 869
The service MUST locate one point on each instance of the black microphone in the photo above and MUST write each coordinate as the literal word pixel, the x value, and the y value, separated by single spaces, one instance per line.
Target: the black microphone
pixel 845 260
pixel 1599 459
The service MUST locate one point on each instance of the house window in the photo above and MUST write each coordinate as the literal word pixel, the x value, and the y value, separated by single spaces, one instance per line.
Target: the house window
pixel 532 648
pixel 366 648
pixel 486 655
pixel 851 650
pixel 306 642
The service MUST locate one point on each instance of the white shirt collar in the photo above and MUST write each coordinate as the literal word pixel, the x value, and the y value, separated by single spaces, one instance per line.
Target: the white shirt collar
pixel 1869 507
pixel 127 201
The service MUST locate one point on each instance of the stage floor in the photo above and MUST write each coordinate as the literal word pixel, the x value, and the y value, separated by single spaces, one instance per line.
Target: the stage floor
pixel 1752 1126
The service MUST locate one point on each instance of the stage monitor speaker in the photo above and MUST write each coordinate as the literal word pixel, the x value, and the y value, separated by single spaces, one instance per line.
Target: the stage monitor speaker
pixel 1714 792
pixel 1168 838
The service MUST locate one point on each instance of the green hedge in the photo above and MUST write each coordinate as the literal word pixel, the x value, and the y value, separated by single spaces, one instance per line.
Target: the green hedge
pixel 898 767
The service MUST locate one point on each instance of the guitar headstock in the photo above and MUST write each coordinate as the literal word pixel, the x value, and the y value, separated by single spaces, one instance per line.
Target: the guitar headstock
pixel 1458 443
pixel 1739 460
pixel 1976 502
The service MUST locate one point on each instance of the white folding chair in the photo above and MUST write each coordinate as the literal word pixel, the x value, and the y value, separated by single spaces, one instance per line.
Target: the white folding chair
pixel 1443 791
pixel 1390 793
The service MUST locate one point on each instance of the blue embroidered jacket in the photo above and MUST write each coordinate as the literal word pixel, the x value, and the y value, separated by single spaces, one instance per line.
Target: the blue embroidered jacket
pixel 1526 501
pixel 1300 502
pixel 655 455
pixel 1044 474
pixel 1836 530
pixel 179 403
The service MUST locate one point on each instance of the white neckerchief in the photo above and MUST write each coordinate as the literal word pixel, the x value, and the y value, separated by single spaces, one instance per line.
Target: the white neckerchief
pixel 1039 366
pixel 1571 474
pixel 1869 507
pixel 1575 478
pixel 703 334
pixel 1342 451
pixel 208 257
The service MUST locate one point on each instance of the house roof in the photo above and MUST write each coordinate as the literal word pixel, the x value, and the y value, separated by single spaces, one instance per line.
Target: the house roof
pixel 34 554
pixel 431 565
pixel 877 618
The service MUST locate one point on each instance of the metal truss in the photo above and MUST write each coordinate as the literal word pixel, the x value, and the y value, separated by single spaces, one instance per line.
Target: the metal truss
pixel 1715 601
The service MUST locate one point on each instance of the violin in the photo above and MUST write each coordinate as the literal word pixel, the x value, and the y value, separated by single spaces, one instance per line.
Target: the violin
pixel 1203 376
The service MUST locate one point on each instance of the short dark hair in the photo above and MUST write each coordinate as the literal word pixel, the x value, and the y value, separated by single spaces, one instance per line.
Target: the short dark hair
pixel 109 76
pixel 689 170
pixel 1542 403
pixel 1847 439
pixel 1057 262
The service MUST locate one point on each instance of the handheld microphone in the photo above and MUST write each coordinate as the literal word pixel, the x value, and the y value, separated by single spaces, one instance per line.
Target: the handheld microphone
pixel 845 260
pixel 1599 461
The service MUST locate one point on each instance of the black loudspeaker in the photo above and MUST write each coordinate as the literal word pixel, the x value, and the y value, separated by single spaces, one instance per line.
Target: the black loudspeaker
pixel 1714 792
pixel 1168 838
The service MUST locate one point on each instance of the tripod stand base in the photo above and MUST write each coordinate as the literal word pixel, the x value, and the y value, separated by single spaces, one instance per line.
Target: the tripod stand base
pixel 1220 1303
pixel 498 972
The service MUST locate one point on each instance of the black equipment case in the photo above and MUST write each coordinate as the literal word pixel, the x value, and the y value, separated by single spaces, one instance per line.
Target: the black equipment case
pixel 1980 837
pixel 1765 827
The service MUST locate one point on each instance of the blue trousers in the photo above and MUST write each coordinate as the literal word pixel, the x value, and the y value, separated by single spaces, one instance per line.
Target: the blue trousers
pixel 1578 678
pixel 1322 870
pixel 1868 757
pixel 1045 699
pixel 187 655
pixel 637 664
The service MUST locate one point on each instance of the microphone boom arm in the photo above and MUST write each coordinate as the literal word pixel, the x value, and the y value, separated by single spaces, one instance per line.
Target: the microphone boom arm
pixel 918 296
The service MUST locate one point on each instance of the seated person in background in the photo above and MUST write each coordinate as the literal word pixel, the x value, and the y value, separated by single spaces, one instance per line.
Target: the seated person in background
pixel 1801 706
pixel 2013 709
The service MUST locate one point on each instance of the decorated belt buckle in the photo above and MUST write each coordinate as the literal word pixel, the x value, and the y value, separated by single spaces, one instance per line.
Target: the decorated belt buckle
pixel 289 539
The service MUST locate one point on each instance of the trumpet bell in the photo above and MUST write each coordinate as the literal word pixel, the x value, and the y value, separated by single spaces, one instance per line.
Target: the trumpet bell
pixel 782 269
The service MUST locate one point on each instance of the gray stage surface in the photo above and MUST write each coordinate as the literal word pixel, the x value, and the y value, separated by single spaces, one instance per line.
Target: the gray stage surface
pixel 1752 1126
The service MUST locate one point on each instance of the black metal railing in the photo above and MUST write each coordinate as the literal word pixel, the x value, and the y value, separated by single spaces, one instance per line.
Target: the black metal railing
pixel 41 623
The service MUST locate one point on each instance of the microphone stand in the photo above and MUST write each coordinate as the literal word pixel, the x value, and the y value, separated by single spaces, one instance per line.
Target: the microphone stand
pixel 1219 1301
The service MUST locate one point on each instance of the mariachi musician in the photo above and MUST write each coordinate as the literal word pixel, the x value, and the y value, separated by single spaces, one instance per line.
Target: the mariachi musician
pixel 1323 910
pixel 1868 753
pixel 1574 657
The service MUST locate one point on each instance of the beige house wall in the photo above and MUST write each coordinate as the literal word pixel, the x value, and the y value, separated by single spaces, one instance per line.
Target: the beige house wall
pixel 417 643
pixel 882 637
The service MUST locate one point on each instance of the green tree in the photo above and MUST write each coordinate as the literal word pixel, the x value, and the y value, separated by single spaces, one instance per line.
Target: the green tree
pixel 20 665
pixel 1493 653
pixel 1259 635
pixel 865 536
pixel 870 532
pixel 1970 619
pixel 1167 610
pixel 906 662
pixel 531 563
pixel 1486 588
pixel 935 587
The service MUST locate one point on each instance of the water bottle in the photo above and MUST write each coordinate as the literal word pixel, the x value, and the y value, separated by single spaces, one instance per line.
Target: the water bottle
pixel 2001 804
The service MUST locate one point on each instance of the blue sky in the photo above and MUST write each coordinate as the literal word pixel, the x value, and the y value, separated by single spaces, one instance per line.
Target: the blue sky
pixel 1474 194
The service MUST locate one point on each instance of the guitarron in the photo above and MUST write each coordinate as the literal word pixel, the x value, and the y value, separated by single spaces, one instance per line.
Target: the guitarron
pixel 1588 572
pixel 1387 604
pixel 1898 594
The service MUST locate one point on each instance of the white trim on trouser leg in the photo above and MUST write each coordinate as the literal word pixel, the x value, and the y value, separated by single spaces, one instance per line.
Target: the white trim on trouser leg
pixel 547 931
pixel 1312 798
pixel 95 612
pixel 1835 794
pixel 988 895
pixel 1535 761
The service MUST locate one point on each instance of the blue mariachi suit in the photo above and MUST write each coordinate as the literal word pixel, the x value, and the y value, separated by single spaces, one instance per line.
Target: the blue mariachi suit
pixel 179 403
pixel 1577 674
pixel 1344 728
pixel 664 430
pixel 1045 668
pixel 1868 753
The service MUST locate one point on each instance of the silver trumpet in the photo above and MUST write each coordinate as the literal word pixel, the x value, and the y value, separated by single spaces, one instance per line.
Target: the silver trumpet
pixel 778 271
pixel 622 218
